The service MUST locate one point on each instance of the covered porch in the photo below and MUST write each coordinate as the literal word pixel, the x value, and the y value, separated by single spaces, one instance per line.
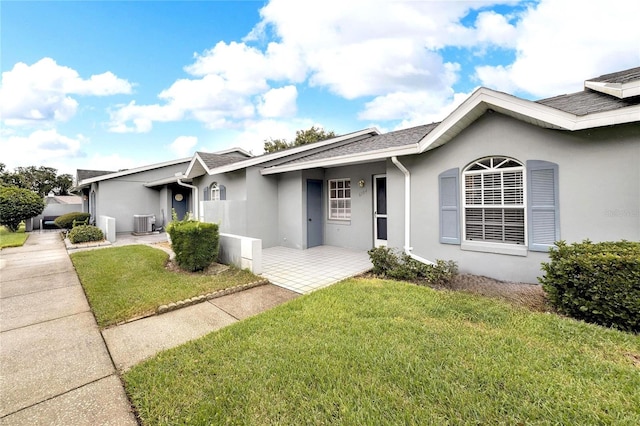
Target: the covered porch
pixel 304 271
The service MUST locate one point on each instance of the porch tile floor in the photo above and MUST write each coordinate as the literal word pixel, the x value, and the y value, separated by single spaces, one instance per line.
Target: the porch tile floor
pixel 304 271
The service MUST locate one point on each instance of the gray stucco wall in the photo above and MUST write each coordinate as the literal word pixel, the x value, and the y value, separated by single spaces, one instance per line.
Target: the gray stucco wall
pixel 262 207
pixel 356 233
pixel 230 215
pixel 290 208
pixel 599 188
pixel 235 183
pixel 125 196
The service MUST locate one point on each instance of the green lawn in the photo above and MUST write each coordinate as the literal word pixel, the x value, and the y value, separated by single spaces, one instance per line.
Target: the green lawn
pixel 124 282
pixel 370 352
pixel 12 239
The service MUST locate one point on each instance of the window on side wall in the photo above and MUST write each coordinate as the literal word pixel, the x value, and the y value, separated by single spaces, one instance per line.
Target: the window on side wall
pixel 215 192
pixel 493 201
pixel 487 208
pixel 340 199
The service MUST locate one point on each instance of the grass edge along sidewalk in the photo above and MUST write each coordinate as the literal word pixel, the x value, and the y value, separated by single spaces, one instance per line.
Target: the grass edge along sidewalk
pixel 123 283
pixel 369 351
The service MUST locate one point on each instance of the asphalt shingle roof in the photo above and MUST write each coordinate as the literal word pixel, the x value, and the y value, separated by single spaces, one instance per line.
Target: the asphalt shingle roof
pixel 388 140
pixel 591 101
pixel 217 160
pixel 588 102
pixel 88 174
pixel 619 77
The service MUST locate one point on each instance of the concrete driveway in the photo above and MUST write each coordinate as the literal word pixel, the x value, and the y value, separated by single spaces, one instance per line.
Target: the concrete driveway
pixel 54 366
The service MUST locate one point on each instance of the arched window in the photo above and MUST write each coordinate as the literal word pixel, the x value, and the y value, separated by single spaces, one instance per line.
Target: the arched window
pixel 215 191
pixel 494 206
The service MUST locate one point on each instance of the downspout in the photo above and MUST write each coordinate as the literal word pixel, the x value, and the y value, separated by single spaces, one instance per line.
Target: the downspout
pixel 194 190
pixel 407 212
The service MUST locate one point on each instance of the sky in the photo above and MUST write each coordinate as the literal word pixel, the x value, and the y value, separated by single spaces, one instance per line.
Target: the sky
pixel 111 85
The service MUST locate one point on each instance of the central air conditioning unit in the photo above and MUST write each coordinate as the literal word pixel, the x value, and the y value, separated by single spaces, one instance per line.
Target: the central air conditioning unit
pixel 143 224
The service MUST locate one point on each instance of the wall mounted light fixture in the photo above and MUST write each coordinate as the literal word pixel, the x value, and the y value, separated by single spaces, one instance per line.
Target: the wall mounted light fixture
pixel 361 183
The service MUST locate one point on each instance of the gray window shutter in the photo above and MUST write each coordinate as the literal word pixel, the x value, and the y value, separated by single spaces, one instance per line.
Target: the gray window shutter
pixel 207 194
pixel 543 213
pixel 223 192
pixel 449 190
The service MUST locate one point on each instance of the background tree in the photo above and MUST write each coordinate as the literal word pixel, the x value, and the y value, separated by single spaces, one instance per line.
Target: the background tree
pixel 18 204
pixel 41 180
pixel 303 137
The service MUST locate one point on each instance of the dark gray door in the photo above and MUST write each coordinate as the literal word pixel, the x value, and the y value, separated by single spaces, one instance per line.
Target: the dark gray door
pixel 180 202
pixel 314 213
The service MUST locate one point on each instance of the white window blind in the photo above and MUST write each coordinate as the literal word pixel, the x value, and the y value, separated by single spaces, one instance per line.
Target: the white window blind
pixel 494 201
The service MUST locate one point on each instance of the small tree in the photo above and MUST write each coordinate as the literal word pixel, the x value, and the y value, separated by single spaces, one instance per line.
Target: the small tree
pixel 18 204
pixel 303 137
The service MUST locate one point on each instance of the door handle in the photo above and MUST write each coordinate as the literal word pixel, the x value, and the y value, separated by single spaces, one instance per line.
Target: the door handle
pixel 309 219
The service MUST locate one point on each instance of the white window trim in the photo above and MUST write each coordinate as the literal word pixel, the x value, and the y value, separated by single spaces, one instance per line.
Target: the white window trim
pixel 491 246
pixel 330 217
pixel 215 192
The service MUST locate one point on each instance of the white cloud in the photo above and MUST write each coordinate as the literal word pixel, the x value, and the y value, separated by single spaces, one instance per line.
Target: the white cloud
pixel 561 43
pixel 142 117
pixel 497 78
pixel 391 54
pixel 183 146
pixel 414 108
pixel 42 91
pixel 280 102
pixel 355 49
pixel 389 48
pixel 495 29
pixel 41 147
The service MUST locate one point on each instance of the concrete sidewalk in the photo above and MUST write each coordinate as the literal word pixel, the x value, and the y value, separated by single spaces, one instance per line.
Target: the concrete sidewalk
pixel 54 365
pixel 136 341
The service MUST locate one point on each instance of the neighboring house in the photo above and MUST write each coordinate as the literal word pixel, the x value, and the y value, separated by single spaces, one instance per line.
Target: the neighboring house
pixel 492 186
pixel 154 190
pixel 54 206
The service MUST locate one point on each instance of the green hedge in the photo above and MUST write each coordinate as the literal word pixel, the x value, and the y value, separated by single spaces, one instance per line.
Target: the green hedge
pixel 595 282
pixel 194 243
pixel 69 220
pixel 398 265
pixel 85 233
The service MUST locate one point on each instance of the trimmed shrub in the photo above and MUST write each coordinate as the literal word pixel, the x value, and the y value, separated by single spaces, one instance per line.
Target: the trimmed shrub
pixel 595 282
pixel 18 204
pixel 70 220
pixel 194 243
pixel 85 233
pixel 400 266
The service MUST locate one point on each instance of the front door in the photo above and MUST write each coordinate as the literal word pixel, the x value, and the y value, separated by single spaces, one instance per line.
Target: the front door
pixel 314 213
pixel 180 201
pixel 380 210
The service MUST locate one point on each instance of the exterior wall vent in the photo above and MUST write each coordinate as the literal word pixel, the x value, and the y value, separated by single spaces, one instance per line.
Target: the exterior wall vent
pixel 143 224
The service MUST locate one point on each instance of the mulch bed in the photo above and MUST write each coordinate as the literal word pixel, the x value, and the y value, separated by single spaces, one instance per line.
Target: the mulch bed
pixel 213 269
pixel 522 294
pixel 530 296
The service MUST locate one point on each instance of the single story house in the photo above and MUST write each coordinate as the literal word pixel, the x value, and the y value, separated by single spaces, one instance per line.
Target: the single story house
pixel 492 186
pixel 54 206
